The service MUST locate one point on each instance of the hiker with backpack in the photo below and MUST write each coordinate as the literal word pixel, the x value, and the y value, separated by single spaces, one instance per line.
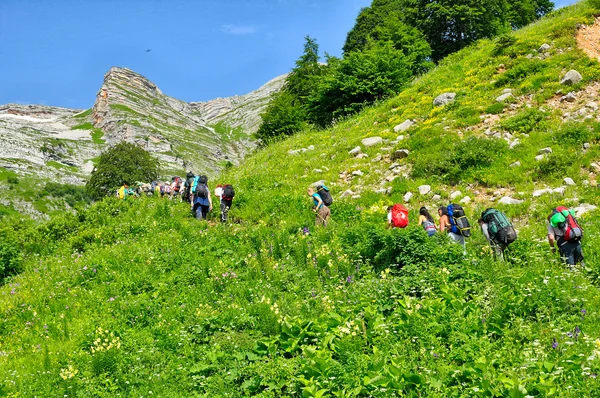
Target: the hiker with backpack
pixel 498 231
pixel 200 197
pixel 323 214
pixel 227 194
pixel 325 195
pixel 565 232
pixel 187 187
pixel 454 221
pixel 175 186
pixel 427 222
pixel 397 216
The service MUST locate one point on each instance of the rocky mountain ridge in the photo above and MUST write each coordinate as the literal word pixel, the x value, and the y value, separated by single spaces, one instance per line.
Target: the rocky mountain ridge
pixel 60 145
pixel 129 107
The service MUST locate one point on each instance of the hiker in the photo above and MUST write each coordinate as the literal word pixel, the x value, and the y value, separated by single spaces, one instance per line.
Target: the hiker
pixel 175 186
pixel 187 187
pixel 123 191
pixel 167 189
pixel 427 222
pixel 200 197
pixel 322 212
pixel 564 230
pixel 227 194
pixel 397 216
pixel 498 231
pixel 449 218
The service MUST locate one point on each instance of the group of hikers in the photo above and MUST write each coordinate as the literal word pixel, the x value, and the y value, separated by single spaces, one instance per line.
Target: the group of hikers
pixel 193 190
pixel 563 229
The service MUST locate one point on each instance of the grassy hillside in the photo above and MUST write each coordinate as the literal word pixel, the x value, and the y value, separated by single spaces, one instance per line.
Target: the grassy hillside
pixel 136 298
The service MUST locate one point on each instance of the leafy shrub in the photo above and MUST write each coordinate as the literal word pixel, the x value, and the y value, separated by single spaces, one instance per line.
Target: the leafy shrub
pixel 460 159
pixel 10 255
pixel 496 108
pixel 553 165
pixel 503 45
pixel 519 72
pixel 124 163
pixel 72 194
pixel 13 180
pixel 573 134
pixel 527 121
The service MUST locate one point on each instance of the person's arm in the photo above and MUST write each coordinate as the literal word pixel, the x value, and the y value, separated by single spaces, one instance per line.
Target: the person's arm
pixel 421 219
pixel 209 198
pixel 551 238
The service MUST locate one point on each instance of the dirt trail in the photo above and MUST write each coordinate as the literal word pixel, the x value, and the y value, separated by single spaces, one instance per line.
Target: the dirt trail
pixel 588 39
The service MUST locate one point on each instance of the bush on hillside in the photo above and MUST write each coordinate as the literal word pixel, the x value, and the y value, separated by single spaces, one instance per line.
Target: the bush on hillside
pixel 356 81
pixel 72 194
pixel 283 117
pixel 573 134
pixel 10 255
pixel 124 163
pixel 454 162
pixel 527 121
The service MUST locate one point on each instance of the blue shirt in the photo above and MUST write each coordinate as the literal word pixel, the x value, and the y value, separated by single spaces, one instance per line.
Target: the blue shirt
pixel 316 198
pixel 201 201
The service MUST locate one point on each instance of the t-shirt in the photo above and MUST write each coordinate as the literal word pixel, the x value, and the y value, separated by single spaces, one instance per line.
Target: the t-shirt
pixel 556 232
pixel 316 198
pixel 219 192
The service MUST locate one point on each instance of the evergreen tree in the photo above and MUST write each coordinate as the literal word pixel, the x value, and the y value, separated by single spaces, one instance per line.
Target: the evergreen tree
pixel 286 114
pixel 124 163
pixel 300 81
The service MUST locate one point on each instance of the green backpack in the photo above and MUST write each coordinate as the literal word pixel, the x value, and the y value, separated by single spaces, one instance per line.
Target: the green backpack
pixel 499 227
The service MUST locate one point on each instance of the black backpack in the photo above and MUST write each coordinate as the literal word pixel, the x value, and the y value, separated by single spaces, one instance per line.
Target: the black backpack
pixel 323 192
pixel 499 227
pixel 201 190
pixel 228 192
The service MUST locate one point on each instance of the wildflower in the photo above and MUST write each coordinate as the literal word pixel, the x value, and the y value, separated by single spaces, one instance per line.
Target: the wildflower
pixel 554 344
pixel 583 312
pixel 349 279
pixel 13 291
pixel 305 231
pixel 111 299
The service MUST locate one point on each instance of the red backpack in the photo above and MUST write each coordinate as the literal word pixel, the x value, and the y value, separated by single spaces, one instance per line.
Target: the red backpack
pixel 564 219
pixel 399 216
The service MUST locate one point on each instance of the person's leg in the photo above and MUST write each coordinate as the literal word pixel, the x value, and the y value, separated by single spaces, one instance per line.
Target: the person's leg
pixel 225 206
pixel 198 211
pixel 567 253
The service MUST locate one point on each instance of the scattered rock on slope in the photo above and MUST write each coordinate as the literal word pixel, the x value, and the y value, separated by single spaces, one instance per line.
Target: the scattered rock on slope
pixel 444 99
pixel 572 77
pixel 372 141
pixel 404 126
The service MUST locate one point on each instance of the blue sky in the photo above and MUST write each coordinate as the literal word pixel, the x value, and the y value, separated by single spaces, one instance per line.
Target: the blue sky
pixel 57 52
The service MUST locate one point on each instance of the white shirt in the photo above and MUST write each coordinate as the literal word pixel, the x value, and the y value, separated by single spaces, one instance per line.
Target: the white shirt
pixel 219 193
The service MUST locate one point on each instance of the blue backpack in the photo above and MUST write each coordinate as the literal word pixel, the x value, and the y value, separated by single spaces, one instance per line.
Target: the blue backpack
pixel 459 222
